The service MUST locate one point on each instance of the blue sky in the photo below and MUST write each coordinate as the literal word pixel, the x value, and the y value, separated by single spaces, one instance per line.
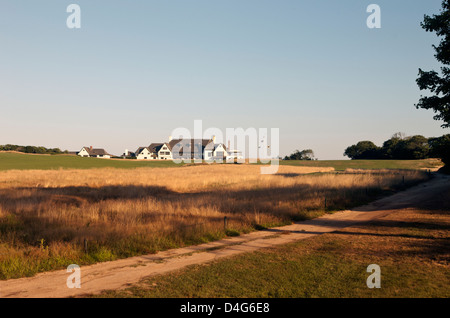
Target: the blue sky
pixel 136 70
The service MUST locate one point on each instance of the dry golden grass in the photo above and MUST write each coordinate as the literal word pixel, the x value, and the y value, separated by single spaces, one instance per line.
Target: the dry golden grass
pixel 181 179
pixel 46 215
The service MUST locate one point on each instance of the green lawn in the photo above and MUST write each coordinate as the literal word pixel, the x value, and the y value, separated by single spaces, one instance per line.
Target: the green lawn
pixel 10 160
pixel 367 164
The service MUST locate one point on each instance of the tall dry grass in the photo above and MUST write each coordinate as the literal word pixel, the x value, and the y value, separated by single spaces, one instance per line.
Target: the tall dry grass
pixel 182 179
pixel 45 216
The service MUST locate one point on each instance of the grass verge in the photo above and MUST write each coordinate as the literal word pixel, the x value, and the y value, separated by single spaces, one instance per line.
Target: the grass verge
pixel 410 246
pixel 341 165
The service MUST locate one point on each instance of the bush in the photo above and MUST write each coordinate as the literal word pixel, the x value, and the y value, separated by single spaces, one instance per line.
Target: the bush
pixel 363 150
pixel 32 149
pixel 440 148
pixel 400 147
pixel 306 154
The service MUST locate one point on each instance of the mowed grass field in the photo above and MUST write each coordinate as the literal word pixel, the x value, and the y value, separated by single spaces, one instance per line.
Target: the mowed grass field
pixel 341 165
pixel 21 161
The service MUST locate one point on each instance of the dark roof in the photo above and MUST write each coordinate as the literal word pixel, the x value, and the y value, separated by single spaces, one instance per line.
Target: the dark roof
pixel 96 151
pixel 213 147
pixel 190 142
pixel 154 148
pixel 140 150
pixel 192 146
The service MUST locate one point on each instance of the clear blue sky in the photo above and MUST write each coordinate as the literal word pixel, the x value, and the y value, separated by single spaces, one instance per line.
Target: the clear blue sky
pixel 138 69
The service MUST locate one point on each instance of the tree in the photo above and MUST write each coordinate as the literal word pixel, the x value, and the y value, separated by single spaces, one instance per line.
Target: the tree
pixel 432 81
pixel 390 146
pixel 397 147
pixel 440 148
pixel 31 149
pixel 306 154
pixel 363 150
pixel 414 147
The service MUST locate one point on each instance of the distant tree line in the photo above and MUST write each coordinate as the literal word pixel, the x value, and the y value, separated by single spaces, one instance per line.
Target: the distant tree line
pixel 32 149
pixel 306 154
pixel 400 146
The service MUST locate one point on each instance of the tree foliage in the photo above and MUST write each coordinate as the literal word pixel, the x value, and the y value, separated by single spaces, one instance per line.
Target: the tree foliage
pixel 438 84
pixel 413 147
pixel 400 146
pixel 32 149
pixel 363 150
pixel 440 148
pixel 306 154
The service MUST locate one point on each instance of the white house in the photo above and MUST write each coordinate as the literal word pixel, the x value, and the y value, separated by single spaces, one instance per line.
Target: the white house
pixel 205 149
pixel 215 152
pixel 93 153
pixel 143 153
pixel 128 153
pixel 163 151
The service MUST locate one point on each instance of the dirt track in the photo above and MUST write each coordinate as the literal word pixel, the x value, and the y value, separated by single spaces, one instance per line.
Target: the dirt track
pixel 122 273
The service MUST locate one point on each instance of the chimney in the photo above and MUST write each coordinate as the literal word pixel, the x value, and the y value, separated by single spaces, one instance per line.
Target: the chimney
pixel 126 152
pixel 214 139
pixel 170 138
pixel 90 147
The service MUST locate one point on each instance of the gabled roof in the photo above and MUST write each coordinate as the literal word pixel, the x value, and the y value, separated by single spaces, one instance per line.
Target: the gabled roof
pixel 140 149
pixel 213 147
pixel 155 147
pixel 190 142
pixel 189 146
pixel 96 151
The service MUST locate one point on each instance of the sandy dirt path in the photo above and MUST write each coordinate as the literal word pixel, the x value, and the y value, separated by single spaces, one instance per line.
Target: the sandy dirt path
pixel 123 273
